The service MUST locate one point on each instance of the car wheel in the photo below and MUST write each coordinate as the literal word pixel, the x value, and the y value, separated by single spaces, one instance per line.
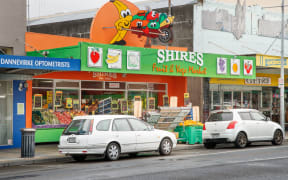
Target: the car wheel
pixel 241 140
pixel 79 158
pixel 209 145
pixel 112 152
pixel 278 138
pixel 165 147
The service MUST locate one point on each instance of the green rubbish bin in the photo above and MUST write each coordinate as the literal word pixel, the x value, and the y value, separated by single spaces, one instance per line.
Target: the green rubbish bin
pixel 194 134
pixel 182 134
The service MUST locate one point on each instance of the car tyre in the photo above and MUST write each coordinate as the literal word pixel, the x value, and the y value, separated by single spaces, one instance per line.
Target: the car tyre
pixel 241 140
pixel 165 147
pixel 209 145
pixel 79 158
pixel 112 152
pixel 277 138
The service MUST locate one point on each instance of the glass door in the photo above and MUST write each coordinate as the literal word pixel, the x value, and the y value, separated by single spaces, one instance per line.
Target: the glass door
pixel 6 112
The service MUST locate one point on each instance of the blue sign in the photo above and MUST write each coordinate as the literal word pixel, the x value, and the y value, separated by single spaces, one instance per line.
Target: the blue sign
pixel 28 62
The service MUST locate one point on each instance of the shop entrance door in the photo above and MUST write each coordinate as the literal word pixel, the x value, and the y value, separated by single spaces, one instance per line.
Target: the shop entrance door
pixel 6 112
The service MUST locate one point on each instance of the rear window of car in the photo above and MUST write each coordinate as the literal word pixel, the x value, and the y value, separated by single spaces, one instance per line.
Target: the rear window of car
pixel 79 127
pixel 220 116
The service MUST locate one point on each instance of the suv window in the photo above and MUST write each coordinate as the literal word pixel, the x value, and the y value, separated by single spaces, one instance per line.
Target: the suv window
pixel 79 127
pixel 137 125
pixel 121 125
pixel 245 116
pixel 221 116
pixel 258 116
pixel 103 125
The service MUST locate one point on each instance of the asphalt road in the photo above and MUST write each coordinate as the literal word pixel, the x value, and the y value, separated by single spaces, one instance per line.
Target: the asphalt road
pixel 260 161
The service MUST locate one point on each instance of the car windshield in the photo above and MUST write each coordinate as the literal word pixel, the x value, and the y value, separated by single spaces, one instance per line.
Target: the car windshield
pixel 221 116
pixel 79 127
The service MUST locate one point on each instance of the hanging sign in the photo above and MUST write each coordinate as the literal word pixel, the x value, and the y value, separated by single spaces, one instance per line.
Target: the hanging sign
pixel 49 97
pixel 151 103
pixel 165 101
pixel 69 103
pixel 58 98
pixel 37 101
pixel 124 106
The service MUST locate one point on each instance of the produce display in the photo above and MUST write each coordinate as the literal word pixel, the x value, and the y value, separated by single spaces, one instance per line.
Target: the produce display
pixel 49 118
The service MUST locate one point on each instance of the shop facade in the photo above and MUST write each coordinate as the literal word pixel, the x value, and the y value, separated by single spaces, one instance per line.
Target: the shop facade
pixel 14 92
pixel 121 80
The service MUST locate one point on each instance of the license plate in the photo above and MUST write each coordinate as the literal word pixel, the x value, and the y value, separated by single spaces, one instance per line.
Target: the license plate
pixel 72 140
pixel 215 135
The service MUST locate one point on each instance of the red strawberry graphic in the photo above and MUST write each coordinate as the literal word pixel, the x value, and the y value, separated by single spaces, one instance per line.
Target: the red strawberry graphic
pixel 94 55
pixel 248 67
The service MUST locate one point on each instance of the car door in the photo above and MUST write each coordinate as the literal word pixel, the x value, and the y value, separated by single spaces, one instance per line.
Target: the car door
pixel 264 129
pixel 146 137
pixel 122 133
pixel 249 125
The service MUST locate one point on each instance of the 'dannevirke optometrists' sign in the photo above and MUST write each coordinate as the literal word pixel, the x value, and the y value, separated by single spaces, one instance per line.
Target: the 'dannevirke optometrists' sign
pixel 26 62
pixel 123 59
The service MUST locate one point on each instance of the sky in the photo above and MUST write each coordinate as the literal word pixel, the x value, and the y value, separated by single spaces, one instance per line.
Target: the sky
pixel 38 8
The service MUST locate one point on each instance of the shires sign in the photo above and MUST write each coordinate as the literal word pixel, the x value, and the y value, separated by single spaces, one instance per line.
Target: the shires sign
pixel 125 59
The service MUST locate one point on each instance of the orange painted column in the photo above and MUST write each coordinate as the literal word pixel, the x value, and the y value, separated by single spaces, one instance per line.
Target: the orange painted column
pixel 29 105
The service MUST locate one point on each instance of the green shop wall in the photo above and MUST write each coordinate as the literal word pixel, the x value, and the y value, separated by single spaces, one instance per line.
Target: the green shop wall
pixel 157 62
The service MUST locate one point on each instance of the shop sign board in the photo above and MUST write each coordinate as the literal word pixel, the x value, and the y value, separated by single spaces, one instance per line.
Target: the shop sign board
pixel 270 61
pixel 259 81
pixel 28 62
pixel 135 60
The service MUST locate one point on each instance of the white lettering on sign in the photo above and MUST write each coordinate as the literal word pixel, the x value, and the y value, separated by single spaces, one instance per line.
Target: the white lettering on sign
pixel 171 55
pixel 114 85
pixel 259 80
pixel 33 63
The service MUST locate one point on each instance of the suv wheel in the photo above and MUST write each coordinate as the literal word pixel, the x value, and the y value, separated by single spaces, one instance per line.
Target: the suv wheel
pixel 241 140
pixel 112 152
pixel 278 138
pixel 209 145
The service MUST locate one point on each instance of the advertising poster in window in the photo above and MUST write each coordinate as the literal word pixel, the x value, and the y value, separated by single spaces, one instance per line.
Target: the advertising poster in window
pixel 137 98
pixel 58 98
pixel 69 103
pixel 124 106
pixel 151 103
pixel 114 105
pixel 186 99
pixel 75 103
pixel 37 101
pixel 49 97
pixel 165 101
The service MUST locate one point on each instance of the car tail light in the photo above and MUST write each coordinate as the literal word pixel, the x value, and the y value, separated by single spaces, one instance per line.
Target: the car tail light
pixel 231 125
pixel 204 127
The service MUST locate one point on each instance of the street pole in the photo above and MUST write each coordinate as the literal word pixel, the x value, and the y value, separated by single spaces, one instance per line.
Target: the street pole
pixel 282 105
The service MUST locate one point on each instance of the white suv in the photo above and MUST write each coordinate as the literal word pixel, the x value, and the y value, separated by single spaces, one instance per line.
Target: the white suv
pixel 240 126
pixel 111 135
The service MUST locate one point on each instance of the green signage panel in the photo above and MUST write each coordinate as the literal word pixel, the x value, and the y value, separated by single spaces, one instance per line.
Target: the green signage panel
pixel 134 60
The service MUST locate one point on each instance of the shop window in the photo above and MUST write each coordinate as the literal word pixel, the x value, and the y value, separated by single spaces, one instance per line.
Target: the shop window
pixel 91 85
pixel 215 100
pixel 256 99
pixel 227 103
pixel 237 99
pixel 138 86
pixel 69 84
pixel 266 98
pixel 247 99
pixel 156 87
pixel 42 83
pixel 115 85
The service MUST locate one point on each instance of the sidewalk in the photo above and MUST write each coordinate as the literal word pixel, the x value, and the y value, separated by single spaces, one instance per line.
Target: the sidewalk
pixel 49 153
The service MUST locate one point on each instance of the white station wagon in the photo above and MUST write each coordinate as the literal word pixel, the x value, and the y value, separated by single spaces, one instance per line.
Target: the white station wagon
pixel 240 126
pixel 112 135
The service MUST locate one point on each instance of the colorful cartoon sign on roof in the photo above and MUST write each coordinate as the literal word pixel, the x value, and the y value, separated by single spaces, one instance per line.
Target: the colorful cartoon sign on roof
pixel 121 22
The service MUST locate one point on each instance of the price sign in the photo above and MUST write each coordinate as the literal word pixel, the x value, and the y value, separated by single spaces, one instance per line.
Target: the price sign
pixel 69 103
pixel 137 98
